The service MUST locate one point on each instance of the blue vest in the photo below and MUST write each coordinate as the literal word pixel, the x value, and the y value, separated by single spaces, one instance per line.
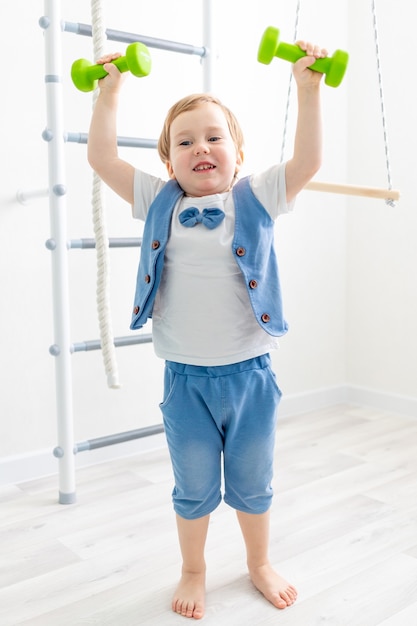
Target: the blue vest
pixel 252 247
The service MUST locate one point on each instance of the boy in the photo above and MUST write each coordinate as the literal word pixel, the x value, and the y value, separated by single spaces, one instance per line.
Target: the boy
pixel 208 277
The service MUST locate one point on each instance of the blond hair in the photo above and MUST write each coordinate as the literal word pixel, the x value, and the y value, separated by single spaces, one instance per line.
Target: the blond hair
pixel 190 103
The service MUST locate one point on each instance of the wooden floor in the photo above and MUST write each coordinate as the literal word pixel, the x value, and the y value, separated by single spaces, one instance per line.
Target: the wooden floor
pixel 344 531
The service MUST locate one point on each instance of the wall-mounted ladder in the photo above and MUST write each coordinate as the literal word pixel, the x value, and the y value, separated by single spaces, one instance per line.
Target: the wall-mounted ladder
pixel 58 243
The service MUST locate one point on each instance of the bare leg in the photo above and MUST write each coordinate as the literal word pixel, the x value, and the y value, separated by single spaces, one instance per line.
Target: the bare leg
pixel 255 530
pixel 189 596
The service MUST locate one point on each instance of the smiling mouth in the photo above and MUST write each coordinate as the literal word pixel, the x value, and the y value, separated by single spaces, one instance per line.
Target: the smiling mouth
pixel 204 168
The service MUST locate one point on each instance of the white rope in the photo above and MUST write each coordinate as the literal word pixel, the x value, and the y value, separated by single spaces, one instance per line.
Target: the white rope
pixel 287 108
pixel 100 231
pixel 381 98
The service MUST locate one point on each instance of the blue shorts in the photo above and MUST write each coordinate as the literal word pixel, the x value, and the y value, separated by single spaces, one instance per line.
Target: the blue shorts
pixel 227 410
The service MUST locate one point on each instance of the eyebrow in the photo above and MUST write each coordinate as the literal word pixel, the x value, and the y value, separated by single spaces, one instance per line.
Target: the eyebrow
pixel 210 129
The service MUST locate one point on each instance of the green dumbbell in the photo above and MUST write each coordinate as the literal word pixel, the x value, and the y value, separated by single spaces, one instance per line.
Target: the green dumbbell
pixel 137 60
pixel 334 67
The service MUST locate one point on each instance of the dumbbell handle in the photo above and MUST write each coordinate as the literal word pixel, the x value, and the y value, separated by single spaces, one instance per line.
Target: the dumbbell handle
pixel 97 71
pixel 290 52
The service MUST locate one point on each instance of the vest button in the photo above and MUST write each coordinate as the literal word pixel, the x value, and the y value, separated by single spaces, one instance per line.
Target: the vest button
pixel 147 278
pixel 253 284
pixel 136 310
pixel 266 318
pixel 155 245
pixel 240 251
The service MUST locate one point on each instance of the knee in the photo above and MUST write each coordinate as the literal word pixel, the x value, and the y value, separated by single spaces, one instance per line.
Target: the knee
pixel 254 501
pixel 248 487
pixel 192 505
pixel 197 490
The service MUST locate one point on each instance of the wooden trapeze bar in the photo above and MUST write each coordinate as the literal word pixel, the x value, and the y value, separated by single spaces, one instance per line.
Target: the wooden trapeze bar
pixel 354 190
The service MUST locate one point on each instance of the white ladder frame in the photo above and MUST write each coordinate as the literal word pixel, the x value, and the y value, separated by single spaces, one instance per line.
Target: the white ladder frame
pixel 54 134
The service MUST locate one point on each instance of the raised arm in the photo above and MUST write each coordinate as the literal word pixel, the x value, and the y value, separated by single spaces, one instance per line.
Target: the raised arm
pixel 306 159
pixel 102 151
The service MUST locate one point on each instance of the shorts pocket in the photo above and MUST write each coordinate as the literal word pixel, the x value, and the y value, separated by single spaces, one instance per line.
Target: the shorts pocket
pixel 170 383
pixel 274 381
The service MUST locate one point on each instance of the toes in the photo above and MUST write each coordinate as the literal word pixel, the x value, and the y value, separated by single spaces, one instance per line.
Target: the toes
pixel 283 598
pixel 187 609
pixel 198 612
pixel 176 606
pixel 279 601
pixel 289 596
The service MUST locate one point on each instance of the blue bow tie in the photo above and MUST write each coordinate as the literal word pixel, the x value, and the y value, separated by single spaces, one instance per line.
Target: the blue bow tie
pixel 211 218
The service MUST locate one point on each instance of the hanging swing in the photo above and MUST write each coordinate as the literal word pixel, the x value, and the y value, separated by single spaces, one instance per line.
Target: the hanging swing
pixel 333 78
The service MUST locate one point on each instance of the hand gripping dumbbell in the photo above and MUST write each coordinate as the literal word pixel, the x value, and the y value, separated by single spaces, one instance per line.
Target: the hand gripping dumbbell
pixel 137 60
pixel 334 67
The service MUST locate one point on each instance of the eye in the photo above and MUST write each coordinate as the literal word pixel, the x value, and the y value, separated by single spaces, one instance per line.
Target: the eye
pixel 215 138
pixel 186 142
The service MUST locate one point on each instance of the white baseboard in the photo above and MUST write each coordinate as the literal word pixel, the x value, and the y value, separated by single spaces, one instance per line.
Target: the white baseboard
pixel 40 463
pixel 349 394
pixel 311 400
pixel 389 402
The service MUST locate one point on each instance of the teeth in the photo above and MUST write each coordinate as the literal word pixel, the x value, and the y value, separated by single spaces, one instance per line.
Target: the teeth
pixel 203 167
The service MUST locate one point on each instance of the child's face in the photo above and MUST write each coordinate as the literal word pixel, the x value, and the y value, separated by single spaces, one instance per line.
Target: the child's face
pixel 203 156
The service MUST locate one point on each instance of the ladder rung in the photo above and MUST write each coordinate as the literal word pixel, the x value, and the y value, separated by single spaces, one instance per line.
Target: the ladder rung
pixel 119 342
pixel 110 440
pixel 125 37
pixel 126 142
pixel 114 242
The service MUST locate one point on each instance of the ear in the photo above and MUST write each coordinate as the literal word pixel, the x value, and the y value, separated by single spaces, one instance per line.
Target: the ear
pixel 239 161
pixel 170 169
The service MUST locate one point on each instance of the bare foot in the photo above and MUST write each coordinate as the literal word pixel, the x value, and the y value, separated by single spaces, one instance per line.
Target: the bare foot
pixel 275 588
pixel 189 595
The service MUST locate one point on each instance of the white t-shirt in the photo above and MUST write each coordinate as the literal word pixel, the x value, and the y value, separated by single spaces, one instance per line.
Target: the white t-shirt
pixel 202 314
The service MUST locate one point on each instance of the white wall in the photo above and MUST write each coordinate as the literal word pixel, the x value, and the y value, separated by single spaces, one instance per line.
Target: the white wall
pixel 347 265
pixel 382 241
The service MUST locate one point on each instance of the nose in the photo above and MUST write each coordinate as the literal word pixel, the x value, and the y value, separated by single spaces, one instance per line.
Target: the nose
pixel 201 147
